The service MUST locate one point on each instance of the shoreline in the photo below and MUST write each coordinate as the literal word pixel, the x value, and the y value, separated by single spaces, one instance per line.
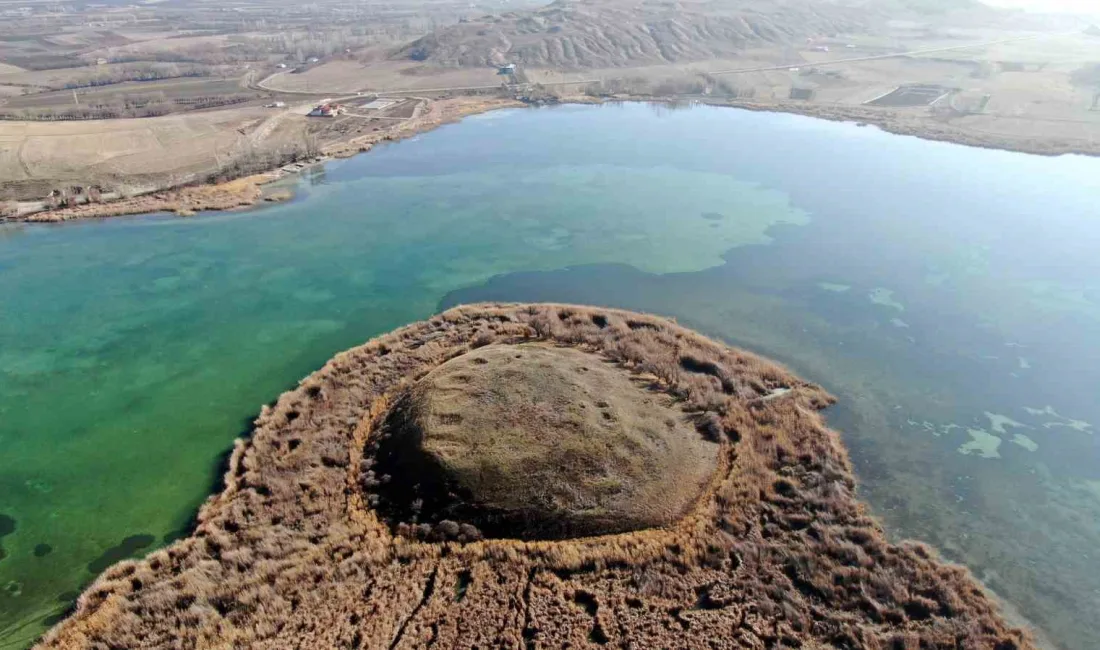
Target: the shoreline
pixel 914 126
pixel 247 191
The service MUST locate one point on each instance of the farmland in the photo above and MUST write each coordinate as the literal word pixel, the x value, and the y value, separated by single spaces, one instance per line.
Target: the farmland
pixel 132 154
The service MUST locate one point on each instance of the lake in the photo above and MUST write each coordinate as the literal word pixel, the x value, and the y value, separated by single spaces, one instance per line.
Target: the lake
pixel 949 297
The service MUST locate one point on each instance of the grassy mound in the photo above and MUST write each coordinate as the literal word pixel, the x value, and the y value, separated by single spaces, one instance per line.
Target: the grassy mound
pixel 301 548
pixel 534 441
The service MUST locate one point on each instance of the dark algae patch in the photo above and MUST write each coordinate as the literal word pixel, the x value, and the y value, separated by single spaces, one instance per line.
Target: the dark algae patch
pixel 7 527
pixel 168 538
pixel 54 619
pixel 68 606
pixel 128 548
pixel 763 545
pixel 42 550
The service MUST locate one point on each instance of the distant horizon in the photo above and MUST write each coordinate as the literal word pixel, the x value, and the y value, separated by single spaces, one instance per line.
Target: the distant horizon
pixel 1085 7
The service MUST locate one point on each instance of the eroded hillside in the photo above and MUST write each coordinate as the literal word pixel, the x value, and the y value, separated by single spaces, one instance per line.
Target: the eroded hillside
pixel 600 34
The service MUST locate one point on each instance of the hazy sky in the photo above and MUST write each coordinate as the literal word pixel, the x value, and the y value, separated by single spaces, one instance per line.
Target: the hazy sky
pixel 1072 6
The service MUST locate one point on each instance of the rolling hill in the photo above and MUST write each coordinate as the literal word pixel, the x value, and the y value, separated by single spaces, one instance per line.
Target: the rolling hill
pixel 586 34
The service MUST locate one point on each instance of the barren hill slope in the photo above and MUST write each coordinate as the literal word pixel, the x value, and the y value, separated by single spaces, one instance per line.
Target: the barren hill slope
pixel 591 34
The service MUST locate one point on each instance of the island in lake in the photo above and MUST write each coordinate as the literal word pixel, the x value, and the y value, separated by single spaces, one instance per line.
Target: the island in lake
pixel 540 476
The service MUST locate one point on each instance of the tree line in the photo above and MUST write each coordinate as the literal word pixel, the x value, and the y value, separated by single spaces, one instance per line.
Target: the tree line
pixel 142 71
pixel 131 106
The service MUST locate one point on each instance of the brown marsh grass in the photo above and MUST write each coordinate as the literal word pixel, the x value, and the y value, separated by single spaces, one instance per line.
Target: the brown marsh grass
pixel 778 553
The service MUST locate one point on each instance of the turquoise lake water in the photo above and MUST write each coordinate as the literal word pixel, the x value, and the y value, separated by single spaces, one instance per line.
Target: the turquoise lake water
pixel 950 297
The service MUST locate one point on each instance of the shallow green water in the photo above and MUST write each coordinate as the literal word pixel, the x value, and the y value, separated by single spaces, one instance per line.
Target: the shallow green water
pixel 949 296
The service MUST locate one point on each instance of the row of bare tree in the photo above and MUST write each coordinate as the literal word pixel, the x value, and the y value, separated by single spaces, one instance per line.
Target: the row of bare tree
pixel 129 106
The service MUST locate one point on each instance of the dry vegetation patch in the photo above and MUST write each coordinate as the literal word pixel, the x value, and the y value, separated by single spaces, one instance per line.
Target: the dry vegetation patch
pixel 777 551
pixel 538 441
pixel 100 150
pixel 185 201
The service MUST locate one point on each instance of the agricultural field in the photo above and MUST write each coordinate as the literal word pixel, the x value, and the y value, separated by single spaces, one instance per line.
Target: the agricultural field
pixel 131 99
pixel 36 156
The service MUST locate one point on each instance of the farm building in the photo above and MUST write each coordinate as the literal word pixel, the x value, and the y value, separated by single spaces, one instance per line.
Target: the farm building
pixel 327 110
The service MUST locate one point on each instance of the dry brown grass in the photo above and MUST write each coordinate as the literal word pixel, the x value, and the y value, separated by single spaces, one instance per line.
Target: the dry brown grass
pixel 779 553
pixel 238 193
pixel 89 152
pixel 536 441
